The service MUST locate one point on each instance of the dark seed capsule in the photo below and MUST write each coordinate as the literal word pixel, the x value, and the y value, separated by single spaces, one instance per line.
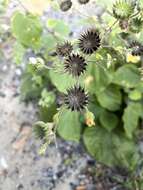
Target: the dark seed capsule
pixel 136 25
pixel 65 5
pixel 137 48
pixel 83 1
pixel 39 131
pixel 89 41
pixel 75 65
pixel 64 49
pixel 76 98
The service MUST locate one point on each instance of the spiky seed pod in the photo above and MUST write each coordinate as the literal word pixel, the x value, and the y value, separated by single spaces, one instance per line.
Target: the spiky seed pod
pixel 65 5
pixel 83 1
pixel 76 98
pixel 137 48
pixel 38 130
pixel 89 41
pixel 75 65
pixel 136 25
pixel 123 9
pixel 64 49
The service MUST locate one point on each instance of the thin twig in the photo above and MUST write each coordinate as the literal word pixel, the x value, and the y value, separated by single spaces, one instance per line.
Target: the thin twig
pixel 110 28
pixel 53 34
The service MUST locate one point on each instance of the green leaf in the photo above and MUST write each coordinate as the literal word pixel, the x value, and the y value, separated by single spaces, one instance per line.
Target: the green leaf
pixel 131 116
pixel 69 126
pixel 126 153
pixel 139 87
pixel 127 76
pixel 99 144
pixel 102 77
pixel 27 29
pixel 108 120
pixel 110 98
pixel 46 114
pixel 135 95
pixel 48 42
pixel 18 53
pixel 47 105
pixel 59 27
pixel 29 90
pixel 111 149
pixel 95 108
pixel 62 81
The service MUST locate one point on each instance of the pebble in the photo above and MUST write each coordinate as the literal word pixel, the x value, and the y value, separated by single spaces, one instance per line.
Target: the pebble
pixel 91 187
pixel 2 94
pixel 20 187
pixel 4 68
pixel 91 162
pixel 81 188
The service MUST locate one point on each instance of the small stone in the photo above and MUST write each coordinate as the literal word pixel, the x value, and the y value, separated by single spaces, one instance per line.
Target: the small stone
pixel 22 139
pixel 4 68
pixel 2 94
pixel 82 187
pixel 73 185
pixel 3 163
pixel 91 162
pixel 99 186
pixel 20 187
pixel 91 187
pixel 18 72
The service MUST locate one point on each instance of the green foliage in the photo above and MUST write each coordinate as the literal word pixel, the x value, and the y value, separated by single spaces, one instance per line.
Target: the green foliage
pixel 46 132
pixel 69 126
pixel 99 143
pixel 18 53
pixel 59 27
pixel 110 98
pixel 62 82
pixel 108 120
pixel 131 117
pixel 33 82
pixel 27 29
pixel 110 148
pixel 127 76
pixel 47 105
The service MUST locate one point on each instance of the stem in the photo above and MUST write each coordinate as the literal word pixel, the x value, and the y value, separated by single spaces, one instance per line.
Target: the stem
pixel 110 28
pixel 54 35
pixel 109 13
pixel 136 185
